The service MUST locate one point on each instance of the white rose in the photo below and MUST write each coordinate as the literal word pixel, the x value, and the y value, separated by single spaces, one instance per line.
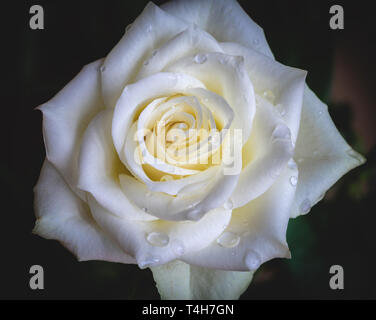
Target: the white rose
pixel 201 229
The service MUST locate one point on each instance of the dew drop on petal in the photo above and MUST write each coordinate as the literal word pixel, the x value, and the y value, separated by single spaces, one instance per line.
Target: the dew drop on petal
pixel 166 178
pixel 103 68
pixel 269 95
pixel 228 204
pixel 177 247
pixel 292 164
pixel 293 181
pixel 305 206
pixel 256 42
pixel 200 58
pixel 281 131
pixel 148 262
pixel 228 239
pixel 252 261
pixel 154 53
pixel 145 209
pixel 157 239
pixel 355 155
pixel 128 27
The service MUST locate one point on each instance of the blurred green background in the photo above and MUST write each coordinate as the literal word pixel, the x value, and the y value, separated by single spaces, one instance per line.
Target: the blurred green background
pixel 338 230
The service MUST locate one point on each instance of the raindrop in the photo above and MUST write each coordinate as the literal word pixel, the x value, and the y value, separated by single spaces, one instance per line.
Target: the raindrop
pixel 292 164
pixel 146 62
pixel 269 95
pixel 200 58
pixel 178 247
pixel 145 209
pixel 281 131
pixel 256 42
pixel 252 261
pixel 148 262
pixel 128 27
pixel 355 155
pixel 158 239
pixel 305 206
pixel 293 181
pixel 228 204
pixel 154 53
pixel 166 178
pixel 228 240
pixel 103 68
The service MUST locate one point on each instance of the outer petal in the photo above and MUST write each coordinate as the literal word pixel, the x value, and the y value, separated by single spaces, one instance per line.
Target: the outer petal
pixel 148 32
pixel 185 236
pixel 281 84
pixel 261 225
pixel 224 19
pixel 100 168
pixel 62 216
pixel 65 118
pixel 265 154
pixel 179 280
pixel 321 153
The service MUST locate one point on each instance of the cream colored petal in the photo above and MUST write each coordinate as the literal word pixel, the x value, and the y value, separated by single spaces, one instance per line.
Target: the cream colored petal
pixel 62 216
pixel 265 154
pixel 147 33
pixel 180 281
pixel 321 153
pixel 100 167
pixel 173 239
pixel 283 86
pixel 261 227
pixel 65 118
pixel 224 19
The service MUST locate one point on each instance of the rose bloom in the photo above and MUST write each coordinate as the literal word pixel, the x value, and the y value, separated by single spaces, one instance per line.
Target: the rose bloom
pixel 186 150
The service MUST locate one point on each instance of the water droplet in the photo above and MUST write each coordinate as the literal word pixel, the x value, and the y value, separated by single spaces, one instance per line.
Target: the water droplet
pixel 154 53
pixel 195 214
pixel 128 27
pixel 252 260
pixel 228 204
pixel 256 42
pixel 228 240
pixel 305 206
pixel 158 239
pixel 355 155
pixel 293 181
pixel 145 209
pixel 281 131
pixel 103 68
pixel 321 197
pixel 269 95
pixel 178 247
pixel 166 178
pixel 200 58
pixel 148 262
pixel 146 62
pixel 280 109
pixel 292 164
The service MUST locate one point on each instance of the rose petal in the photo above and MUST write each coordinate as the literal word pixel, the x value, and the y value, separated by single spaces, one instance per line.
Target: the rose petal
pixel 224 19
pixel 65 118
pixel 265 154
pixel 261 225
pixel 100 167
pixel 269 77
pixel 226 76
pixel 321 153
pixel 190 41
pixel 62 216
pixel 186 236
pixel 148 32
pixel 180 281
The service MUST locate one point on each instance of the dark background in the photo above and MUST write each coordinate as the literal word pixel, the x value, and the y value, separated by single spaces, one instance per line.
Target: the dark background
pixel 339 230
